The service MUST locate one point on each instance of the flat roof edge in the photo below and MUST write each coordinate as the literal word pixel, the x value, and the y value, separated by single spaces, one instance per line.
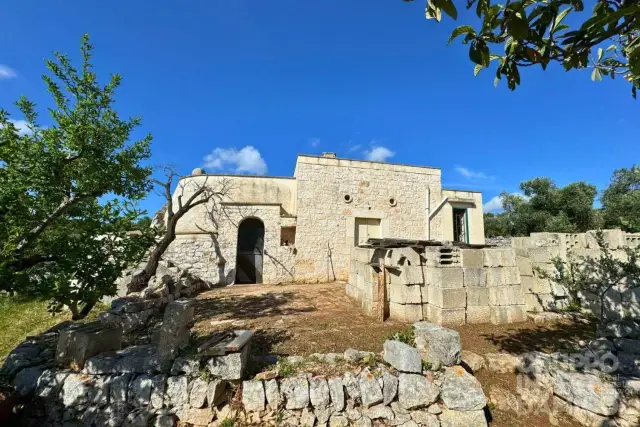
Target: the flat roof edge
pixel 369 161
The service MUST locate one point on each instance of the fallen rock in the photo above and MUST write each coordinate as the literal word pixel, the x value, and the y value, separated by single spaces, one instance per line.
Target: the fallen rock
pixel 352 386
pixel 402 357
pixel 26 380
pixel 504 400
pixel 461 391
pixel 471 361
pixel 356 356
pixel 442 343
pixel 415 391
pixel 586 391
pixel 501 363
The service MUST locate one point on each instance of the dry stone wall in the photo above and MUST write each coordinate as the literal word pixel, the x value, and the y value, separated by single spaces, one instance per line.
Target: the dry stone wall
pixel 535 260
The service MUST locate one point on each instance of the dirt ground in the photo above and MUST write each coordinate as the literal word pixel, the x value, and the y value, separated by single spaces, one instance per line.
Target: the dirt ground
pixel 301 319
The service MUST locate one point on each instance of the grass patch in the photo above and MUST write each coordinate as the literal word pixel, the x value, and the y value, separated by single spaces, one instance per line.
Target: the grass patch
pixel 21 317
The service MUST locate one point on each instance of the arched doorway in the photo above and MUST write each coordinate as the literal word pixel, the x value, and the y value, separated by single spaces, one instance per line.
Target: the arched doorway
pixel 250 251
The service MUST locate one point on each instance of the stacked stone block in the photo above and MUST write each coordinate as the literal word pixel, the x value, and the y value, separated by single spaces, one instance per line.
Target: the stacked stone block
pixel 506 296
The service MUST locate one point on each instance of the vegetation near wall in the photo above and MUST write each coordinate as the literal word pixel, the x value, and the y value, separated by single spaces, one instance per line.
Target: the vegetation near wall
pixel 545 207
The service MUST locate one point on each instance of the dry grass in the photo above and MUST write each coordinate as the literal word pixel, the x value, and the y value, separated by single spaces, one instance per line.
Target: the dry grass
pixel 302 319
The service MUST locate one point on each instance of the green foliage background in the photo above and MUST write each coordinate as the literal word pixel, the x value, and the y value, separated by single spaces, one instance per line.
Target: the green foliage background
pixel 545 207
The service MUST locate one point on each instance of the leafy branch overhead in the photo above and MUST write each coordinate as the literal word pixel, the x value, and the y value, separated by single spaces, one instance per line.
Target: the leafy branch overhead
pixel 536 32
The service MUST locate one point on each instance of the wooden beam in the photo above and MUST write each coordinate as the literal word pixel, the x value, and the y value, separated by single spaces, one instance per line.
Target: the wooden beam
pixel 382 290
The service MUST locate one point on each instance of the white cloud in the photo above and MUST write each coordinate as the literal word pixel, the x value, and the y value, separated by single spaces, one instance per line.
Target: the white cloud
pixel 469 174
pixel 493 205
pixel 7 72
pixel 314 142
pixel 246 161
pixel 379 154
pixel 22 127
pixel 354 148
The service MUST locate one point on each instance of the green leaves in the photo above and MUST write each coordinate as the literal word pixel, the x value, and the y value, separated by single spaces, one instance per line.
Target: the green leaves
pixel 447 6
pixel 463 29
pixel 538 32
pixel 518 27
pixel 479 52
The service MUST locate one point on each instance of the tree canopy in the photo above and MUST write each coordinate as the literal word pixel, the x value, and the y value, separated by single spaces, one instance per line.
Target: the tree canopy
pixel 67 189
pixel 527 33
pixel 621 200
pixel 543 206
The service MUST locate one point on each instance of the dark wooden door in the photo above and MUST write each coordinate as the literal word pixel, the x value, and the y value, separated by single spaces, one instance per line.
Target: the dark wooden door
pixel 250 251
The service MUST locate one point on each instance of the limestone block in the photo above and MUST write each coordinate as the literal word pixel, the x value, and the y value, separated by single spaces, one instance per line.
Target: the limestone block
pixel 524 265
pixel 474 276
pixel 463 418
pixel 296 392
pixel 508 314
pixel 508 257
pixel 461 391
pixel 614 239
pixel 447 297
pixel 544 254
pixel 76 345
pixel 230 367
pixel 412 294
pixel 472 258
pixel 477 315
pixel 477 297
pixel 402 356
pixel 527 283
pixel 415 391
pixel 587 391
pixel 537 303
pixel 492 257
pixel 444 316
pixel 253 396
pixel 404 256
pixel 506 295
pixel 370 389
pixel 445 277
pixel 511 275
pixel 442 344
pixel 495 276
pixel 405 312
pixel 175 330
pixel 541 286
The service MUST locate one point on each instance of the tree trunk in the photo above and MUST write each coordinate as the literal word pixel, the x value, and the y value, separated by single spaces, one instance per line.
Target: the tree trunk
pixel 79 315
pixel 141 280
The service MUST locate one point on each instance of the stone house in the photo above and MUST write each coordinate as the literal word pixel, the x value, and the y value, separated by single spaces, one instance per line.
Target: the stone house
pixel 303 228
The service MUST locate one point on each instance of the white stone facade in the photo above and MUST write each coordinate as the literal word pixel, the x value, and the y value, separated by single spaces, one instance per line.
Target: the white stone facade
pixel 319 209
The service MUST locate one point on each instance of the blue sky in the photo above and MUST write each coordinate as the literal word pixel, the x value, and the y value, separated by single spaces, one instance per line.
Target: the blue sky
pixel 245 85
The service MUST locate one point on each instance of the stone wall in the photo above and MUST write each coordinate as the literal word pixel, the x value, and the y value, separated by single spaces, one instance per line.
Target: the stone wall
pixel 442 284
pixel 212 256
pixel 325 224
pixel 535 260
pixel 78 375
